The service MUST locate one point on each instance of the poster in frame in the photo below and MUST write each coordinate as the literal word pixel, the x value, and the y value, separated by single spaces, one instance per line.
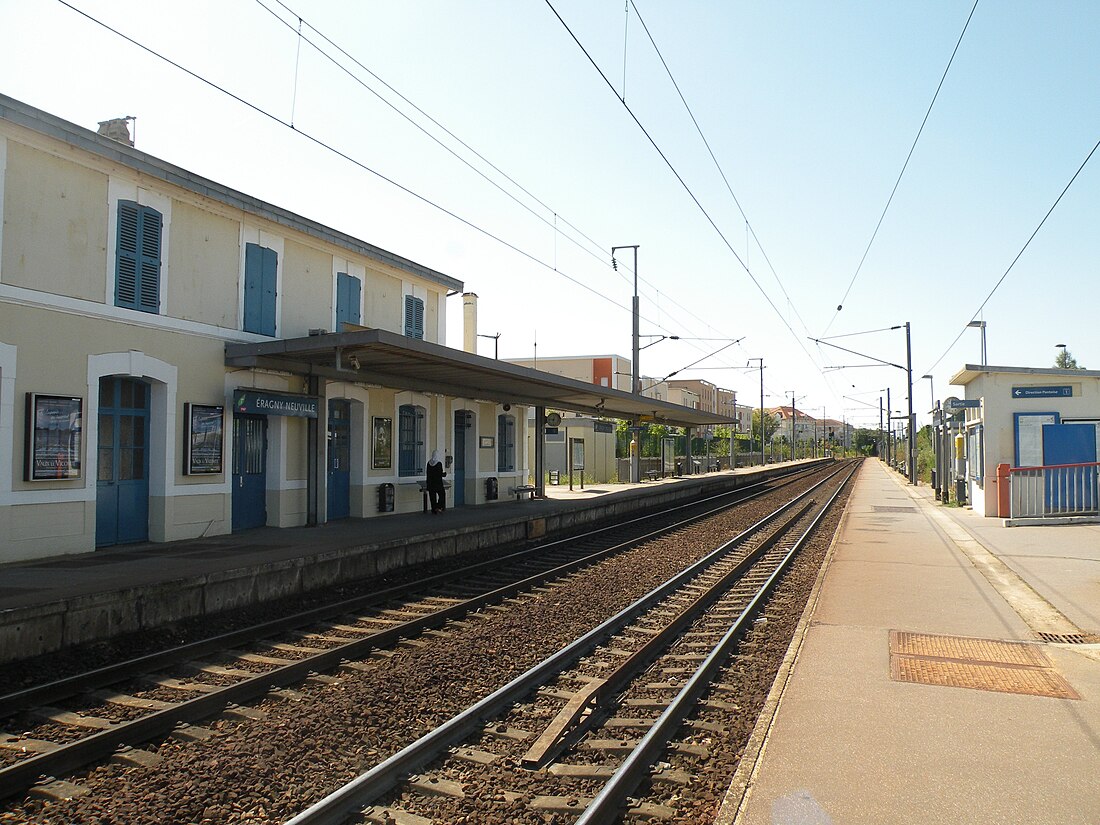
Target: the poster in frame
pixel 204 439
pixel 54 441
pixel 381 443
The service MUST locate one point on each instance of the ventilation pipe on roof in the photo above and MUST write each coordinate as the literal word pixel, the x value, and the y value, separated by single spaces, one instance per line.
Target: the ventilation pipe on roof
pixel 469 322
pixel 117 129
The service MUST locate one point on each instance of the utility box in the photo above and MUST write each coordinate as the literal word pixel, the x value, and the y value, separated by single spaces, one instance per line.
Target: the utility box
pixel 385 498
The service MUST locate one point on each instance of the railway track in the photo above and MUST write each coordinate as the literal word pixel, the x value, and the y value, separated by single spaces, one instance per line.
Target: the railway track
pixel 578 733
pixel 54 729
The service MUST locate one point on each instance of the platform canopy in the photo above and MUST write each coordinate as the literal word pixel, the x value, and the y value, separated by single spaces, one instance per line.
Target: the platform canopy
pixel 376 356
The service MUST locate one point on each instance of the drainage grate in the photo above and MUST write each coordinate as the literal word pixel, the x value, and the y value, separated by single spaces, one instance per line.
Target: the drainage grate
pixel 979 664
pixel 1069 638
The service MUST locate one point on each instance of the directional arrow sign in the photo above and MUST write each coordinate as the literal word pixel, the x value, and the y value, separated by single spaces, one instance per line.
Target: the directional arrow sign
pixel 1042 392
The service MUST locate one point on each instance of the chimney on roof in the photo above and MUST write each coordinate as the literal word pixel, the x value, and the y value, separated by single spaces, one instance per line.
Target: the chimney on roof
pixel 117 129
pixel 469 322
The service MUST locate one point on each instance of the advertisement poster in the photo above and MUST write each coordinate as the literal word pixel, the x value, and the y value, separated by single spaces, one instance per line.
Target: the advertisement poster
pixel 54 437
pixel 382 452
pixel 205 436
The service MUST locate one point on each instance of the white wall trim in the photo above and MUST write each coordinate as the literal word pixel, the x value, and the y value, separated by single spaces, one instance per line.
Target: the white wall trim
pixel 20 296
pixel 8 355
pixel 3 170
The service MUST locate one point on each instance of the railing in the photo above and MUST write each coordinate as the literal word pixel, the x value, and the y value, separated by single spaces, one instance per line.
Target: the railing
pixel 1057 490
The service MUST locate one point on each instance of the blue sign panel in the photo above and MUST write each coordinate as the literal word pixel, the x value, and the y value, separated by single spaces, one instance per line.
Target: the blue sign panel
pixel 1042 392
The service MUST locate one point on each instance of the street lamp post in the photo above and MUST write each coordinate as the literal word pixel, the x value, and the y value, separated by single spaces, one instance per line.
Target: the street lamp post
pixel 980 325
pixel 792 423
pixel 761 360
pixel 635 380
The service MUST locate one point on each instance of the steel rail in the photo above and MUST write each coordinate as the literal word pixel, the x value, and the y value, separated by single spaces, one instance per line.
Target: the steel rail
pixel 50 692
pixel 607 806
pixel 67 757
pixel 335 808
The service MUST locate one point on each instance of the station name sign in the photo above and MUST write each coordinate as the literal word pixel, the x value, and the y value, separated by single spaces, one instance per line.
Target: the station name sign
pixel 1042 392
pixel 256 402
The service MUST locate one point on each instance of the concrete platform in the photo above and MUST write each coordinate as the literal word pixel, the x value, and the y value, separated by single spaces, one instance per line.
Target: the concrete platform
pixel 50 604
pixel 844 739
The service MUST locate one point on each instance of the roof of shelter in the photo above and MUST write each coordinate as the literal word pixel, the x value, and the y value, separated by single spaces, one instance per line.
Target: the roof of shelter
pixel 972 371
pixel 391 360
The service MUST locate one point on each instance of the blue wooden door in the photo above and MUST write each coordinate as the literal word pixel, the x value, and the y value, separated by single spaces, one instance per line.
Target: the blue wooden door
pixel 1070 490
pixel 339 459
pixel 463 422
pixel 122 465
pixel 249 471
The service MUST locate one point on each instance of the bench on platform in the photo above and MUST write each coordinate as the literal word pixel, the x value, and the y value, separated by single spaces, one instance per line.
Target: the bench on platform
pixel 423 485
pixel 652 475
pixel 520 489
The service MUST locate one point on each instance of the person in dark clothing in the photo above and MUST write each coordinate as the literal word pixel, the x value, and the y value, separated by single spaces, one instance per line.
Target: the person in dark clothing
pixel 437 493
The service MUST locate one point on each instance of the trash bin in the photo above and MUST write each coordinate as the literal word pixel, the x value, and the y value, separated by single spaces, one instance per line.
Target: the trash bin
pixel 490 489
pixel 385 498
pixel 555 477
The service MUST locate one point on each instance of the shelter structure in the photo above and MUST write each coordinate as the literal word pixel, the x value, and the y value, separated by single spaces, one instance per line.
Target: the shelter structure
pixel 1027 417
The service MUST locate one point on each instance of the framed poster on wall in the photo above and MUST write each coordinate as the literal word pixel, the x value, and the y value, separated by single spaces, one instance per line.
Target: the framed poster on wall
pixel 381 443
pixel 202 447
pixel 54 437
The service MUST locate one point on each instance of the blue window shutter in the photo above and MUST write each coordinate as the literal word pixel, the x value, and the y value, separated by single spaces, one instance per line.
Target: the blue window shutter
pixel 270 274
pixel 253 287
pixel 410 313
pixel 149 292
pixel 348 291
pixel 126 267
pixel 414 317
pixel 137 270
pixel 261 266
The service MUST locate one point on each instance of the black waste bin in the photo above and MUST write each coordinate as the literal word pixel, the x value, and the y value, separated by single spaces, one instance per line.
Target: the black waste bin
pixel 385 498
pixel 490 489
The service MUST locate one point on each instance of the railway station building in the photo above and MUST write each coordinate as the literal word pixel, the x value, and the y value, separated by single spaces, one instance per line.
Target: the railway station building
pixel 179 359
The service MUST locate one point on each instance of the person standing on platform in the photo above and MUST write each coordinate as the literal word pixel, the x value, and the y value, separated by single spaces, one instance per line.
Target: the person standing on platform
pixel 437 493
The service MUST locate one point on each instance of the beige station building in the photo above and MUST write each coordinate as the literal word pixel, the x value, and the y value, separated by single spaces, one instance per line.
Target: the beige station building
pixel 179 359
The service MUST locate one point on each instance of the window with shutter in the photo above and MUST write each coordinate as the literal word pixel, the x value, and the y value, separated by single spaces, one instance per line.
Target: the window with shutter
pixel 348 292
pixel 506 443
pixel 410 443
pixel 137 269
pixel 261 266
pixel 414 317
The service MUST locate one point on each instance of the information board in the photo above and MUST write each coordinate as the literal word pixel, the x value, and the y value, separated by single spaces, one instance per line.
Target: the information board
pixel 1029 437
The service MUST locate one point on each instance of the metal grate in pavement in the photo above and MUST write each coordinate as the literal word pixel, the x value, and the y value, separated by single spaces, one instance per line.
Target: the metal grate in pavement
pixel 979 664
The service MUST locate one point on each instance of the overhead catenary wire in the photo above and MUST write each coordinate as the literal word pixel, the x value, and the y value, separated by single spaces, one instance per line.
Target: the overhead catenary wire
pixel 1019 254
pixel 721 172
pixel 904 166
pixel 345 156
pixel 683 184
pixel 556 217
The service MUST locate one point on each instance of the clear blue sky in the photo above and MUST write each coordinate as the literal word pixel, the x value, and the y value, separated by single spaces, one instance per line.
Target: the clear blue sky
pixel 810 108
